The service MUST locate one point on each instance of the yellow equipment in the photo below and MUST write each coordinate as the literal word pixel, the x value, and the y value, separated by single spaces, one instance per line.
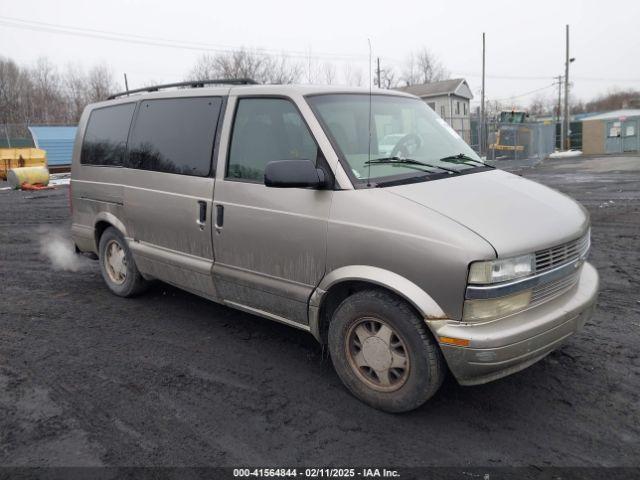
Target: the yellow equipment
pixel 33 175
pixel 20 157
pixel 513 135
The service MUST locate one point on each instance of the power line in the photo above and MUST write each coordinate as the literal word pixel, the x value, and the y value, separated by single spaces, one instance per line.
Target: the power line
pixel 506 77
pixel 159 42
pixel 526 93
pixel 524 77
pixel 592 79
pixel 69 30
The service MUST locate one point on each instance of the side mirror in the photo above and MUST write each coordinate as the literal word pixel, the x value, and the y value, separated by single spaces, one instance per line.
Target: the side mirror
pixel 294 174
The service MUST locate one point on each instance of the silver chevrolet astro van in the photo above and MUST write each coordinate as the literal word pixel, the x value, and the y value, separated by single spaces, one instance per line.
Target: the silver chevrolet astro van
pixel 408 260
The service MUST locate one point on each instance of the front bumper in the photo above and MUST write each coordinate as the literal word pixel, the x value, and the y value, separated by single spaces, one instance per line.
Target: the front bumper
pixel 507 345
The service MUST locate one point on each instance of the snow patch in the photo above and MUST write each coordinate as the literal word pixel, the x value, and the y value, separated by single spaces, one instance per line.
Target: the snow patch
pixel 566 154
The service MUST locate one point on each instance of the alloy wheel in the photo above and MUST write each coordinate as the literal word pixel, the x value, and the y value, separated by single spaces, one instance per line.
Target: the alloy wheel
pixel 377 354
pixel 115 262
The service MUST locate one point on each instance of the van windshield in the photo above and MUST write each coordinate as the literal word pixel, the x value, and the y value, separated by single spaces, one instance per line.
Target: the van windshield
pixel 406 135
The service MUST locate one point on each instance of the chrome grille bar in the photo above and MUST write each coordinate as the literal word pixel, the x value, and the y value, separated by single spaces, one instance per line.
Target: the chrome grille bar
pixel 550 258
pixel 550 290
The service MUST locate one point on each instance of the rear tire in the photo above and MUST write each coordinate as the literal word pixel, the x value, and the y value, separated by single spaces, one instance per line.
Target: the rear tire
pixel 383 352
pixel 118 269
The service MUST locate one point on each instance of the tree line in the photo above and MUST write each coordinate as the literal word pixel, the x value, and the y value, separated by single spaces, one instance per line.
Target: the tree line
pixel 419 67
pixel 42 93
pixel 614 99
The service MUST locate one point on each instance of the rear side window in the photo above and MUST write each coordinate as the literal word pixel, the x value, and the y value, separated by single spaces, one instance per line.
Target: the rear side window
pixel 175 135
pixel 264 130
pixel 105 139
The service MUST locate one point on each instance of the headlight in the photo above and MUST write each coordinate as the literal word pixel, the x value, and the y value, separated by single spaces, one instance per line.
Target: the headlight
pixel 481 310
pixel 501 270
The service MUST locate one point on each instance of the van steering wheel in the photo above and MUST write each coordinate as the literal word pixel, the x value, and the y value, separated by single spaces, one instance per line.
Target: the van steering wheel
pixel 410 141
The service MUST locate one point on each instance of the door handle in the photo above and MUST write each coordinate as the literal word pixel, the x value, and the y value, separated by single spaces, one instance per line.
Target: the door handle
pixel 219 216
pixel 202 215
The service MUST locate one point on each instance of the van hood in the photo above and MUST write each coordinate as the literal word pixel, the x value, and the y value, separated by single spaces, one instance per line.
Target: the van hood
pixel 513 214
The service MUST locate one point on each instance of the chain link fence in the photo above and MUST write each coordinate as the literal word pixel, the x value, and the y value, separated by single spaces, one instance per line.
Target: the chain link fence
pixel 15 136
pixel 519 141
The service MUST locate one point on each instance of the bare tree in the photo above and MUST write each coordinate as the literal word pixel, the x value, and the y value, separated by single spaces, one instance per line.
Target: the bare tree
pixel 204 68
pixel 75 86
pixel 46 103
pixel 493 108
pixel 328 73
pixel 12 95
pixel 243 63
pixel 311 69
pixel 388 78
pixel 423 67
pixel 353 75
pixel 238 64
pixel 101 83
pixel 281 70
pixel 541 105
pixel 614 99
pixel 578 106
pixel 150 82
pixel 41 94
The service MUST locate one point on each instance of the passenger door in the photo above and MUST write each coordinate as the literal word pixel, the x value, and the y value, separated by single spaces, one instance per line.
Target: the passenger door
pixel 270 243
pixel 169 190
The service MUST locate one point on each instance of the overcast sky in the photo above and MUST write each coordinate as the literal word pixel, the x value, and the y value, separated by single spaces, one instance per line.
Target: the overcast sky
pixel 525 39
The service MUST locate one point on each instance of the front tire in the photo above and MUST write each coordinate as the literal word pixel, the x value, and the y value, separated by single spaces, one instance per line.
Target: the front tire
pixel 118 269
pixel 383 352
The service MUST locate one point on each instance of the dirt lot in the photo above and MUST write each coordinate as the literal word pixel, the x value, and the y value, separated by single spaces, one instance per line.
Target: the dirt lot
pixel 87 378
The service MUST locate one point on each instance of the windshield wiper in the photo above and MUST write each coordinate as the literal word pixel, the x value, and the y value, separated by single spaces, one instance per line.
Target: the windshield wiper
pixel 406 161
pixel 461 158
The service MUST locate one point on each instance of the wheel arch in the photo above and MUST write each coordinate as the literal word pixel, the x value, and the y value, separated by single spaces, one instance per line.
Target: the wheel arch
pixel 103 221
pixel 344 281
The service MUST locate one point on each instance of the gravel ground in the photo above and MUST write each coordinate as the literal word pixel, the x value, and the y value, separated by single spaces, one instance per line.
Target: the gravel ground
pixel 87 378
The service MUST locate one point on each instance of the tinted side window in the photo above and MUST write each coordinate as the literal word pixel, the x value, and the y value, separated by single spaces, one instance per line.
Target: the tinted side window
pixel 267 129
pixel 175 135
pixel 105 139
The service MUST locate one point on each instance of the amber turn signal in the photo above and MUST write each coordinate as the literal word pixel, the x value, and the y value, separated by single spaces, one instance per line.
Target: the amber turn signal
pixel 460 342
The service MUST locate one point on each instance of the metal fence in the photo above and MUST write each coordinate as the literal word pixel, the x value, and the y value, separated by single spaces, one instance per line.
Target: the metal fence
pixel 515 141
pixel 575 135
pixel 15 136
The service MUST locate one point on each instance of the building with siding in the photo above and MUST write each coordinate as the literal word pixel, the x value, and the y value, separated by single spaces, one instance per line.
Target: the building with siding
pixel 611 132
pixel 450 99
pixel 56 140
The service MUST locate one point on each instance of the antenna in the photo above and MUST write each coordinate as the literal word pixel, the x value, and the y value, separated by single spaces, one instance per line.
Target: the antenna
pixel 370 95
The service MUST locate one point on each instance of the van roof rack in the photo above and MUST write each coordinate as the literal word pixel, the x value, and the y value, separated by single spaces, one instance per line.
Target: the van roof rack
pixel 190 84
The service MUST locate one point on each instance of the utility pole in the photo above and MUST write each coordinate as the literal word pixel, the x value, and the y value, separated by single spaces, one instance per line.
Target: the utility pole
pixel 126 84
pixel 566 143
pixel 559 107
pixel 483 135
pixel 559 110
pixel 378 72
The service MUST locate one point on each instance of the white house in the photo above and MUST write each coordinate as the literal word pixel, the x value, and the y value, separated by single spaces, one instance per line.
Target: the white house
pixel 449 99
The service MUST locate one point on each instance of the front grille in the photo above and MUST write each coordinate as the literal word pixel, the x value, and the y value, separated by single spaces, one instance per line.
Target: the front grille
pixel 547 291
pixel 550 258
